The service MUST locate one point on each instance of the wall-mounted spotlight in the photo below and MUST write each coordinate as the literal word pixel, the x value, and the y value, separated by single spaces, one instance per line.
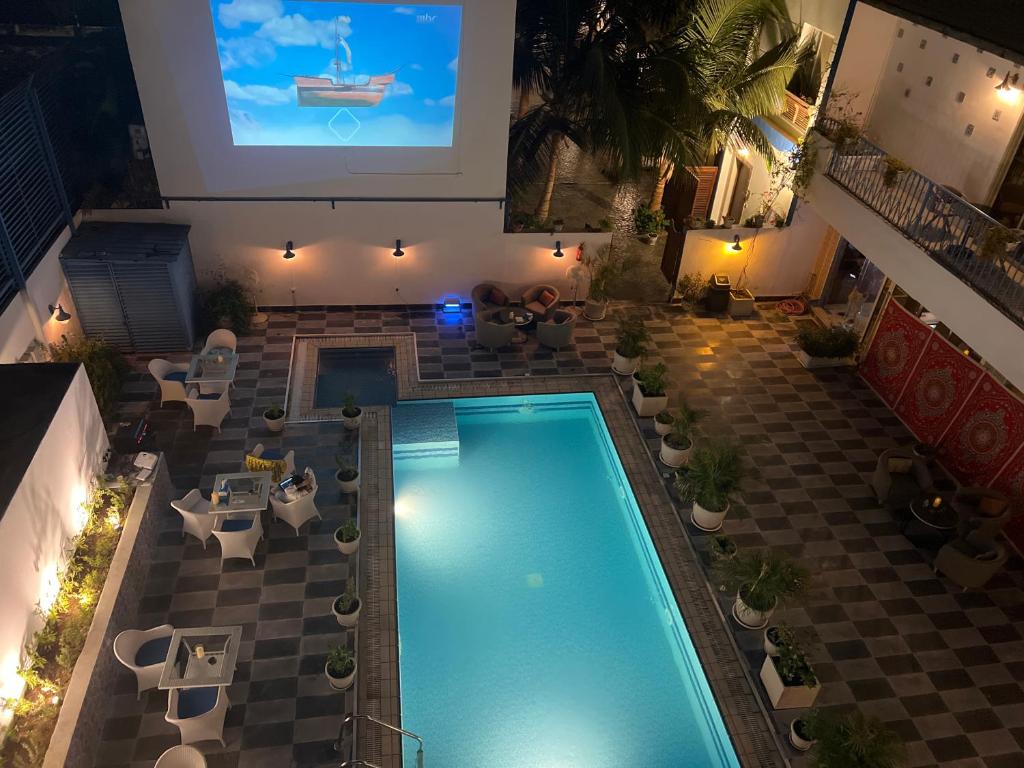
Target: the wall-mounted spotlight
pixel 1007 90
pixel 61 316
pixel 288 252
pixel 736 244
pixel 398 252
pixel 558 249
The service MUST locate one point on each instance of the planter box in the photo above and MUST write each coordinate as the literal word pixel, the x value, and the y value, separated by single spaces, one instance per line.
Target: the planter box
pixel 786 696
pixel 814 363
pixel 741 303
pixel 648 406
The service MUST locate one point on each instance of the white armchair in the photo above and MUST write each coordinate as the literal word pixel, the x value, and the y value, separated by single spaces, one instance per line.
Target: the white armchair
pixel 285 462
pixel 181 756
pixel 171 378
pixel 238 537
pixel 198 713
pixel 296 512
pixel 195 515
pixel 221 338
pixel 144 653
pixel 209 409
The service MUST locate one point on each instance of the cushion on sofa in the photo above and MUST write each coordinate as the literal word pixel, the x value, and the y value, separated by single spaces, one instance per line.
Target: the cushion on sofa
pixel 497 296
pixel 547 298
pixel 153 652
pixel 899 466
pixel 991 506
pixel 536 307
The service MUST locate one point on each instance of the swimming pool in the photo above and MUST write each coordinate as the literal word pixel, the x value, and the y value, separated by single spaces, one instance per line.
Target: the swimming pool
pixel 536 625
pixel 368 373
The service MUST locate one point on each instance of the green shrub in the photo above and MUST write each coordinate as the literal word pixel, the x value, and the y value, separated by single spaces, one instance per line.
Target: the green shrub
pixel 348 531
pixel 226 305
pixel 793 666
pixel 652 380
pixel 632 337
pixel 340 661
pixel 715 473
pixel 853 740
pixel 762 577
pixel 683 421
pixel 894 168
pixel 835 341
pixel 105 366
pixel 647 221
pixel 692 287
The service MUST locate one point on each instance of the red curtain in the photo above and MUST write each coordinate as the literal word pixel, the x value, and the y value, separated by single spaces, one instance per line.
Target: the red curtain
pixel 897 345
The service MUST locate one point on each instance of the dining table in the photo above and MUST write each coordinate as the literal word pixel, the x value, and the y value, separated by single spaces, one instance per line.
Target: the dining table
pixel 213 370
pixel 201 657
pixel 238 492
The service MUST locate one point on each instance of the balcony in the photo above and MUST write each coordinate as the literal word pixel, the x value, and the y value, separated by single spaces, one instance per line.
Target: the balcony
pixel 975 248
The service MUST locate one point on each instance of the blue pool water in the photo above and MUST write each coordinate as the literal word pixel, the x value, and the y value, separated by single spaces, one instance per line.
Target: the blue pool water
pixel 367 373
pixel 536 626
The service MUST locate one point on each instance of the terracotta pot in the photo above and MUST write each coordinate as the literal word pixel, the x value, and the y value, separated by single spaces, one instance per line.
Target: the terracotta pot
pixel 347 620
pixel 705 519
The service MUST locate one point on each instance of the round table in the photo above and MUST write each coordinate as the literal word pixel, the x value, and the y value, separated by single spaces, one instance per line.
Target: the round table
pixel 942 519
pixel 522 318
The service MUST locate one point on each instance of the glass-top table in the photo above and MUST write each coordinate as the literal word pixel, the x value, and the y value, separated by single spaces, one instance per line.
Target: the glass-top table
pixel 217 366
pixel 246 492
pixel 201 657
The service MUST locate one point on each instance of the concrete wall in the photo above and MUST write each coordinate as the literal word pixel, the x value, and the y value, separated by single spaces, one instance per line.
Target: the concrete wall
pixel 43 515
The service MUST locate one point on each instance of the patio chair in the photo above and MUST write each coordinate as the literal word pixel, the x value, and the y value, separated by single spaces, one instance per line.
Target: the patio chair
pixel 198 713
pixel 971 561
pixel 492 333
pixel 542 300
pixel 279 465
pixel 208 409
pixel 488 297
pixel 195 515
pixel 297 512
pixel 171 378
pixel 221 338
pixel 144 652
pixel 900 477
pixel 556 332
pixel 238 537
pixel 181 756
pixel 982 511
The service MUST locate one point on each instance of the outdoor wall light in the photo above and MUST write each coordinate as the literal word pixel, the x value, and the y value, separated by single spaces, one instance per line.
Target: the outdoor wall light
pixel 62 316
pixel 289 254
pixel 736 244
pixel 1006 89
pixel 398 252
pixel 558 249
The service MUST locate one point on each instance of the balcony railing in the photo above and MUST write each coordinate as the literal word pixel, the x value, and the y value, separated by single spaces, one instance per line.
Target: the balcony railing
pixel 973 246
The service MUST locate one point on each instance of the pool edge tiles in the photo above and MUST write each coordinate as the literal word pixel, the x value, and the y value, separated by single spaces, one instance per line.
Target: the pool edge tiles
pixel 706 722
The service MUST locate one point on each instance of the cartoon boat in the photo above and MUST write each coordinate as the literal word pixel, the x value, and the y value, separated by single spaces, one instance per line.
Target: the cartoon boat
pixel 319 91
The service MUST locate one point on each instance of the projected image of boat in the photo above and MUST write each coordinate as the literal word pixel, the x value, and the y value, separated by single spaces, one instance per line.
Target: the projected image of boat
pixel 319 91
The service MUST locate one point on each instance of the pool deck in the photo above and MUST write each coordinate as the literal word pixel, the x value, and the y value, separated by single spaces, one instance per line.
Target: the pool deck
pixel 942 667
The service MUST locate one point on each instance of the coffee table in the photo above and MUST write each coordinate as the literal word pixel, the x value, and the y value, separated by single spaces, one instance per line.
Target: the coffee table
pixel 201 657
pixel 250 492
pixel 523 319
pixel 941 519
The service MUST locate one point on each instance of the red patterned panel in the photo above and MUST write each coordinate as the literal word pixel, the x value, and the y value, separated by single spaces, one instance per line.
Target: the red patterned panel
pixel 939 385
pixel 984 435
pixel 898 343
pixel 1011 482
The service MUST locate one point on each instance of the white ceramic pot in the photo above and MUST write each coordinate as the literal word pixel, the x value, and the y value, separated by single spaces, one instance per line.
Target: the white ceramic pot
pixel 662 429
pixel 274 425
pixel 784 696
pixel 769 647
pixel 347 486
pixel 595 310
pixel 342 683
pixel 625 366
pixel 348 547
pixel 705 519
pixel 352 422
pixel 674 457
pixel 347 620
pixel 749 617
pixel 816 363
pixel 798 741
pixel 648 406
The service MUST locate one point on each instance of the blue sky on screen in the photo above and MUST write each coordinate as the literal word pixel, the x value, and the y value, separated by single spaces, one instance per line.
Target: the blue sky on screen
pixel 264 44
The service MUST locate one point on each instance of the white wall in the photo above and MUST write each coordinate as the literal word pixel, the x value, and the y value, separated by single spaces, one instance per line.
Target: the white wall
pixel 174 56
pixel 927 128
pixel 778 262
pixel 43 514
pixel 344 256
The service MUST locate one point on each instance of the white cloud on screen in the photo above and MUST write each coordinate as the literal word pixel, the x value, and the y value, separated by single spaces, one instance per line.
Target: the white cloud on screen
pixel 296 29
pixel 246 52
pixel 405 10
pixel 264 95
pixel 398 88
pixel 417 67
pixel 238 12
pixel 447 101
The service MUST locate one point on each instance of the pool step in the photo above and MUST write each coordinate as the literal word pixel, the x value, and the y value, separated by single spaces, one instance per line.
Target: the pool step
pixel 424 430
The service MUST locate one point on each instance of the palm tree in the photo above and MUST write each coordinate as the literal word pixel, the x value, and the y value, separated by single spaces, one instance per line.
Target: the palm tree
pixel 729 81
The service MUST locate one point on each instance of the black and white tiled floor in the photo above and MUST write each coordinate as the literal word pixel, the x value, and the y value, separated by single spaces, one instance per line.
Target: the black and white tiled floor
pixel 944 667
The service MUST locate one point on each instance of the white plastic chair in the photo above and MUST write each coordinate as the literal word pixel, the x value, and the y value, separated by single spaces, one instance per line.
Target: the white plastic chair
pixel 221 338
pixel 208 410
pixel 195 515
pixel 181 756
pixel 171 378
pixel 297 512
pixel 198 713
pixel 144 652
pixel 288 459
pixel 238 537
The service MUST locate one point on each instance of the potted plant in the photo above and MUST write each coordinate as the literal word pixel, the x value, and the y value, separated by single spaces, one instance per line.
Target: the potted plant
pixel 788 678
pixel 676 444
pixel 663 421
pixel 340 668
pixel 691 289
pixel 801 734
pixel 853 740
pixel 346 607
pixel 347 537
pixel 649 385
pixel 894 168
pixel 273 417
pixel 822 347
pixel 721 547
pixel 631 344
pixel 648 223
pixel 604 267
pixel 761 579
pixel 741 303
pixel 227 305
pixel 347 475
pixel 775 636
pixel 716 471
pixel 351 414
